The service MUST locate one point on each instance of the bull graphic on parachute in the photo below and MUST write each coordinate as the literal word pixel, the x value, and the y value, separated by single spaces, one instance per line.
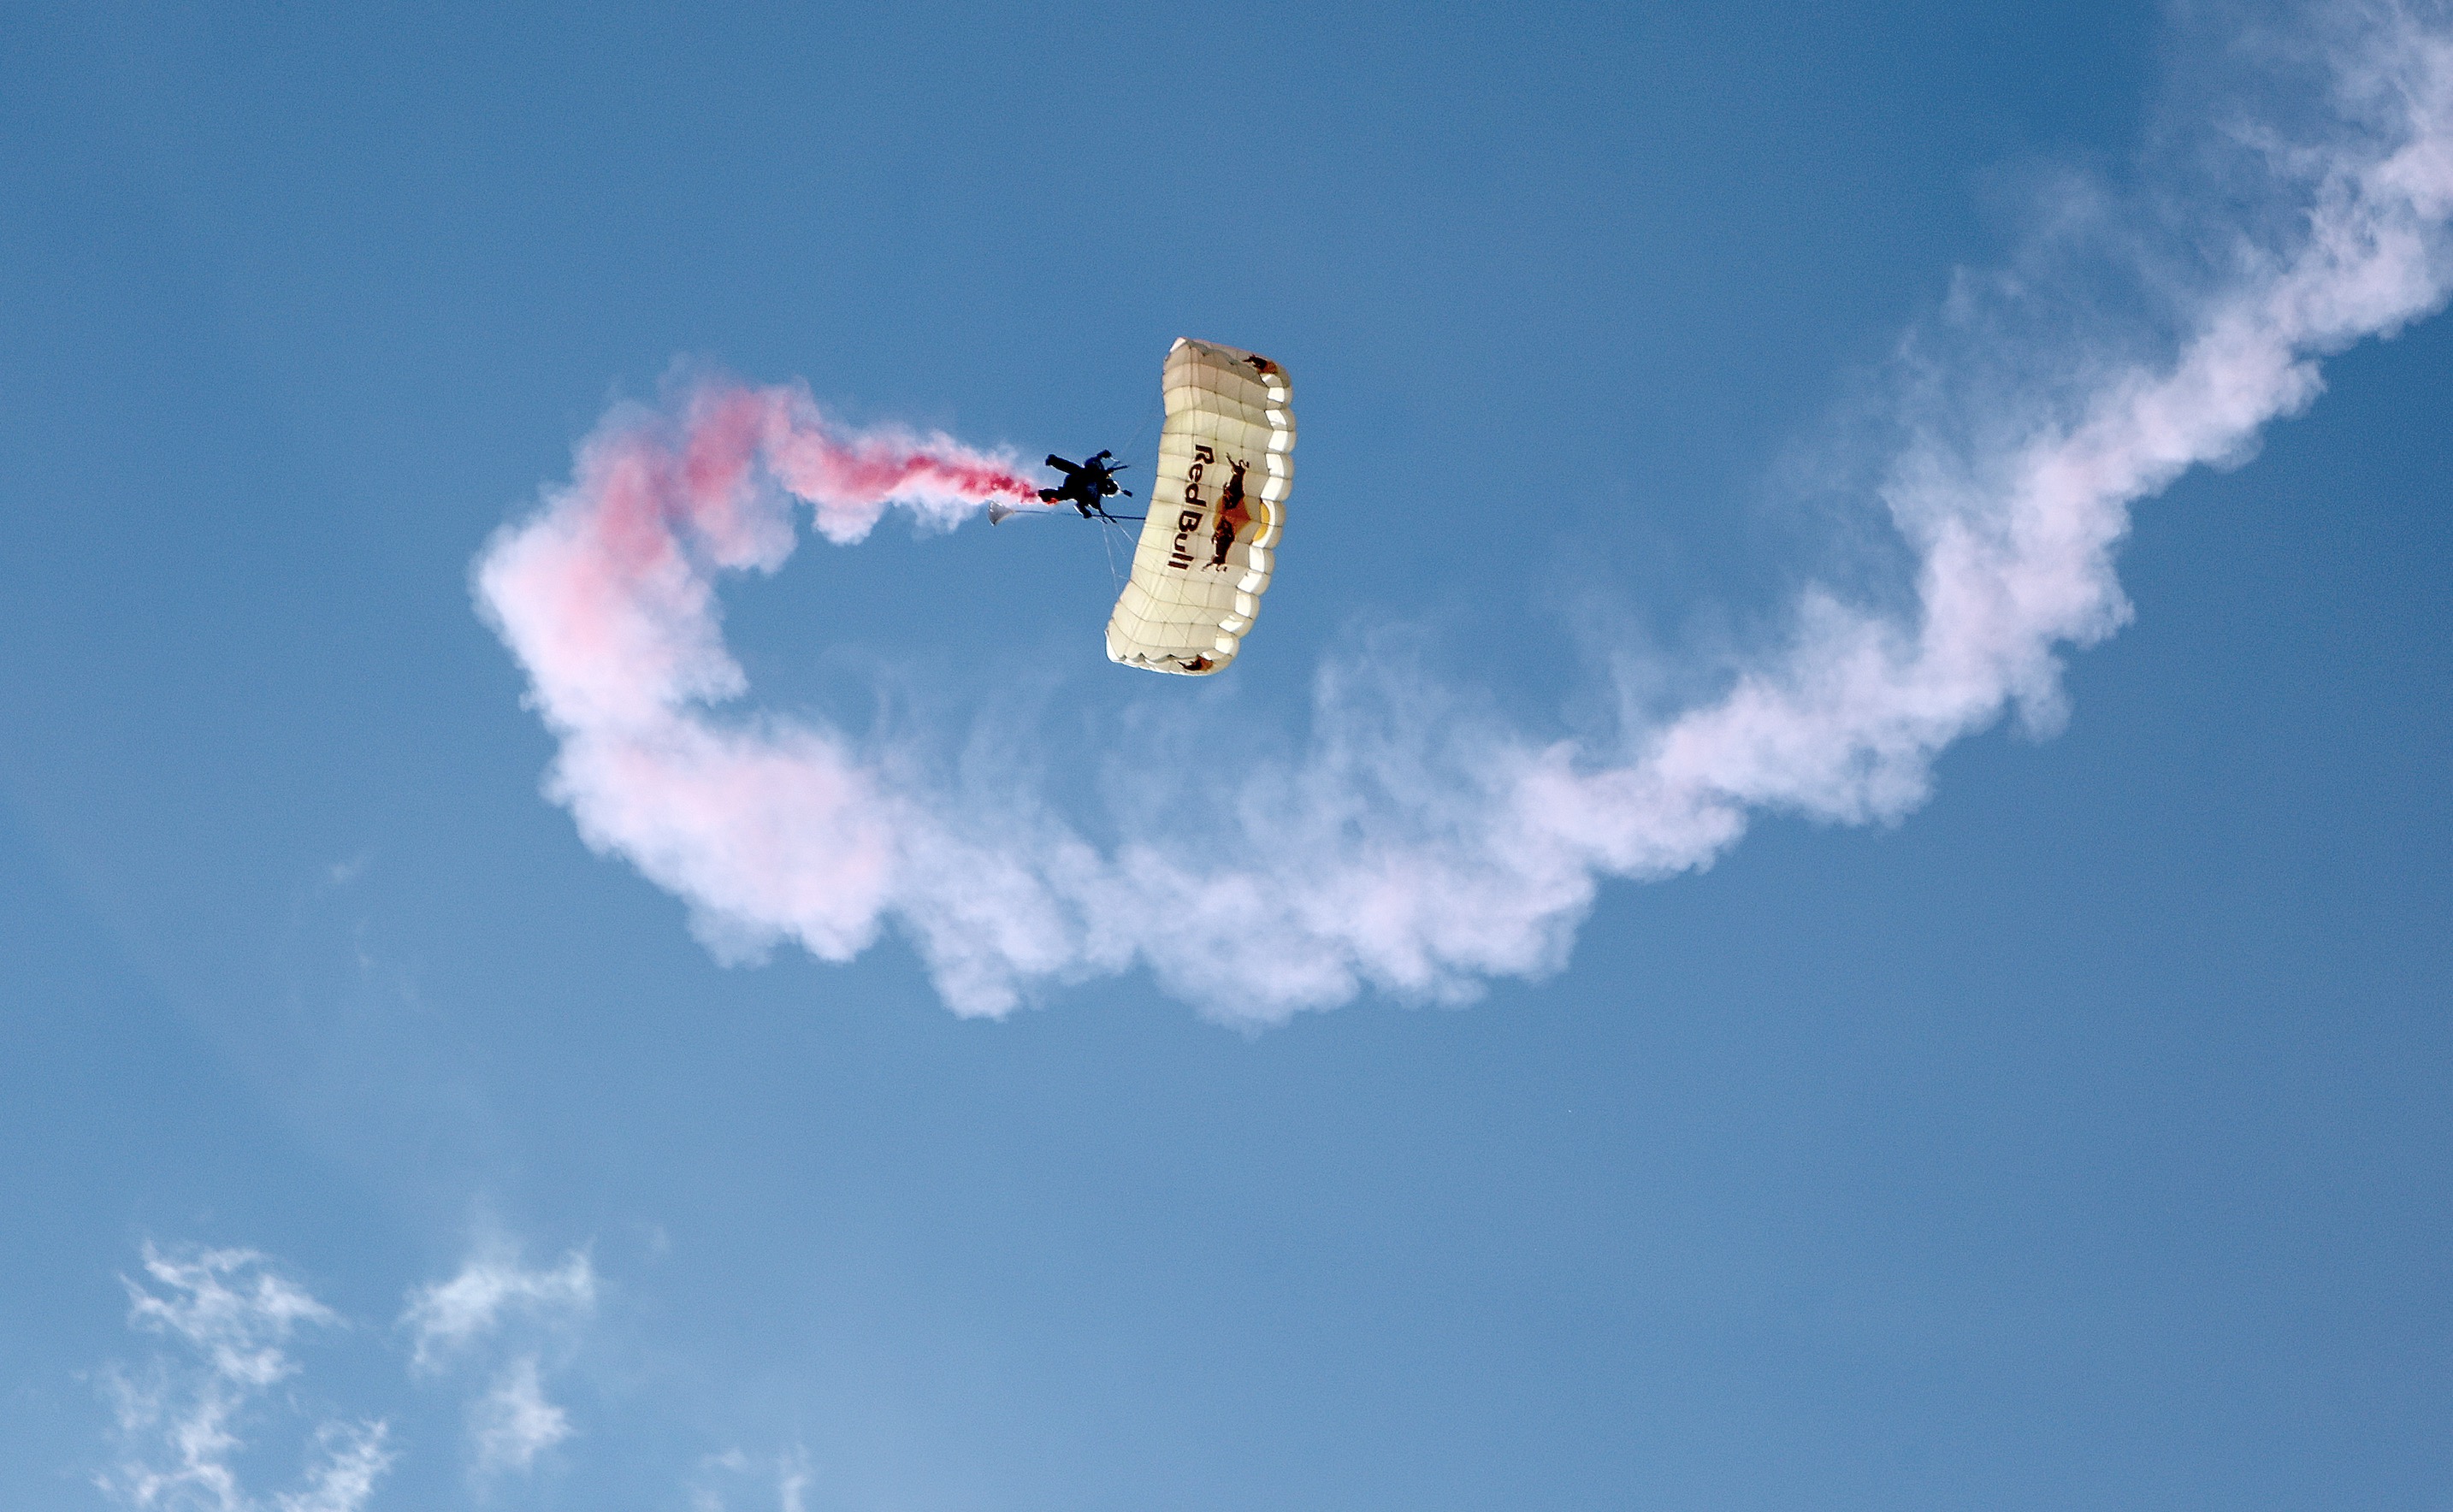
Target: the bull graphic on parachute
pixel 1232 516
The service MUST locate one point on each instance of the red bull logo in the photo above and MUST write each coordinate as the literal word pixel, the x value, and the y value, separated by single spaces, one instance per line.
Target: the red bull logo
pixel 1189 519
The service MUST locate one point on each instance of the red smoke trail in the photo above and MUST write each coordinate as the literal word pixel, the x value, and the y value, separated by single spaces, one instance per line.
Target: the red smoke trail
pixel 704 477
pixel 609 588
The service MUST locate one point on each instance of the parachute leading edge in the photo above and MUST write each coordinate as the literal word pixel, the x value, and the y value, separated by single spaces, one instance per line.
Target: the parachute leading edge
pixel 1226 464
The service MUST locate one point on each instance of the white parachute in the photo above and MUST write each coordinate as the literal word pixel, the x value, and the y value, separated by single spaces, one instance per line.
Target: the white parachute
pixel 1217 508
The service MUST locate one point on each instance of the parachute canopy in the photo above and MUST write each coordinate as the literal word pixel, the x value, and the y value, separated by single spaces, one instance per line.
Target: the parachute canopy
pixel 1217 507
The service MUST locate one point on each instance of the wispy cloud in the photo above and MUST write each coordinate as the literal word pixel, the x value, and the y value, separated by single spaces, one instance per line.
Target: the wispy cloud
pixel 781 1482
pixel 1417 847
pixel 492 1287
pixel 498 1319
pixel 223 1402
pixel 227 1318
pixel 349 1459
pixel 514 1423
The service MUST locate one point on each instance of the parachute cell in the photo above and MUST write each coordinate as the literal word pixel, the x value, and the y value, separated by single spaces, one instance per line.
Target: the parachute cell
pixel 1217 508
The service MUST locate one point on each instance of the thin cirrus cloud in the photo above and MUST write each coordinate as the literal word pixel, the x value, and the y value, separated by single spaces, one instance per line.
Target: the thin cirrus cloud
pixel 221 1390
pixel 514 1423
pixel 505 1322
pixel 724 1480
pixel 227 1321
pixel 492 1288
pixel 1412 849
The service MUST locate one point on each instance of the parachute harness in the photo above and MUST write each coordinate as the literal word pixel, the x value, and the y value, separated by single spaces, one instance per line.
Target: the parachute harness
pixel 1112 527
pixel 1108 531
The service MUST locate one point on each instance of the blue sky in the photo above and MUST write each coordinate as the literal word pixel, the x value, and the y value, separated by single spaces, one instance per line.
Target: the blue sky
pixel 2072 1137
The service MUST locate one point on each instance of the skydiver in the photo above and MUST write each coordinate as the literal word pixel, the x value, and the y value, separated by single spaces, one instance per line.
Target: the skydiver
pixel 1085 483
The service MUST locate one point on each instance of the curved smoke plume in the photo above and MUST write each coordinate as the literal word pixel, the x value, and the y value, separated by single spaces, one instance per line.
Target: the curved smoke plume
pixel 1409 850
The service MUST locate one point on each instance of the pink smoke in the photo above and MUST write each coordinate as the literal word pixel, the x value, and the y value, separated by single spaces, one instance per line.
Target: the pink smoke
pixel 607 594
pixel 608 597
pixel 1411 849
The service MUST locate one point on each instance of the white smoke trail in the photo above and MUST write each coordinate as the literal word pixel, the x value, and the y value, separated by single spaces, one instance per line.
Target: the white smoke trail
pixel 1411 849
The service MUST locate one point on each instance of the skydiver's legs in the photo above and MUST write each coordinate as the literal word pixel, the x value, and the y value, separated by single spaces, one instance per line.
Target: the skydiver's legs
pixel 1065 490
